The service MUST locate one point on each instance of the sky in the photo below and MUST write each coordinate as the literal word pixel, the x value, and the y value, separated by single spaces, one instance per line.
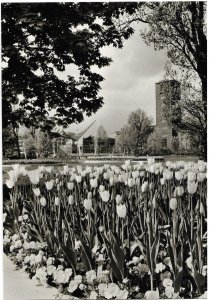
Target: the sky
pixel 129 84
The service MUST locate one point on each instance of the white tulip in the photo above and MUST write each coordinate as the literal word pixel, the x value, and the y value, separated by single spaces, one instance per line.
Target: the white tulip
pixel 70 186
pixel 36 192
pixel 43 201
pixel 57 201
pixel 144 187
pixel 105 196
pixel 192 187
pixel 121 210
pixel 88 204
pixel 118 199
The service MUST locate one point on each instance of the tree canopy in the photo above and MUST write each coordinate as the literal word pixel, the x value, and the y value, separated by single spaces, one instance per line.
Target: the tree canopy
pixel 134 135
pixel 41 39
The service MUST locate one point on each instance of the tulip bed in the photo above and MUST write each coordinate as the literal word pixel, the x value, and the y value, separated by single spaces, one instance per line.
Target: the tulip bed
pixel 134 231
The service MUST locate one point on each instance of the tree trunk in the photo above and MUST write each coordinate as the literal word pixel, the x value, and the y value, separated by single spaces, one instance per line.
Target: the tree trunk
pixel 17 141
pixel 204 98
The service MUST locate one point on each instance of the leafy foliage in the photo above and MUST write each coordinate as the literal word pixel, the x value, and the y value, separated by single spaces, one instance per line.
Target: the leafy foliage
pixel 39 41
pixel 134 135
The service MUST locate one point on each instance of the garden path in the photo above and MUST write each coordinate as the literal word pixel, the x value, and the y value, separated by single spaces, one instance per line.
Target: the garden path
pixel 18 286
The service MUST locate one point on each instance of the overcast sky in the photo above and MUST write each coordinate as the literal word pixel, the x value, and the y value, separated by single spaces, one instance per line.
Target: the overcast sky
pixel 129 84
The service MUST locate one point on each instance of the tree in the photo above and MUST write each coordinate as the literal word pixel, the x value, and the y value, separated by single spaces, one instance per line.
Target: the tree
pixel 10 146
pixel 39 40
pixel 135 134
pixel 101 133
pixel 100 140
pixel 180 28
pixel 38 144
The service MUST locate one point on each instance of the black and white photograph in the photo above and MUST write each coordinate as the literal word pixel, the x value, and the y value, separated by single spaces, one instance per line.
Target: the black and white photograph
pixel 104 150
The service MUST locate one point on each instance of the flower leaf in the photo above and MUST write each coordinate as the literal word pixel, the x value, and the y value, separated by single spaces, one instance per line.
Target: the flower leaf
pixel 178 281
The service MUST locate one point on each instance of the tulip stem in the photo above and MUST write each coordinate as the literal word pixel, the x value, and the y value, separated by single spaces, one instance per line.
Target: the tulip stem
pixel 122 231
pixel 151 279
pixel 191 217
pixel 89 226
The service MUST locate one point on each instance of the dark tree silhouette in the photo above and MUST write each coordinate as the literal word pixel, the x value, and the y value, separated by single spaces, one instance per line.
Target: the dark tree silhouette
pixel 39 39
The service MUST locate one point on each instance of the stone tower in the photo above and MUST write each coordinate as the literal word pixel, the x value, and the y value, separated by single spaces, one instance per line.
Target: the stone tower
pixel 167 93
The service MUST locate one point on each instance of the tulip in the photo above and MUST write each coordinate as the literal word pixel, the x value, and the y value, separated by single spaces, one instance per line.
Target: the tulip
pixel 43 201
pixel 37 192
pixel 88 204
pixel 106 176
pixel 135 174
pixel 137 182
pixel 121 210
pixel 10 183
pixel 180 191
pixel 34 176
pixel 173 203
pixel 131 182
pixel 65 169
pixel 93 183
pixel 57 201
pixel 70 186
pixel 118 199
pixel 152 295
pixel 162 181
pixel 71 200
pixel 13 174
pixel 101 228
pixel 105 196
pixel 191 176
pixel 127 162
pixel 168 175
pixel 202 210
pixel 151 185
pixel 41 168
pixel 179 175
pixel 25 217
pixel 111 181
pixel 152 169
pixel 154 201
pixel 73 177
pixel 48 169
pixel 101 188
pixel 4 217
pixel 78 178
pixel 144 187
pixel 201 177
pixel 192 187
pixel 202 168
pixel 157 171
pixel 49 184
pixel 121 178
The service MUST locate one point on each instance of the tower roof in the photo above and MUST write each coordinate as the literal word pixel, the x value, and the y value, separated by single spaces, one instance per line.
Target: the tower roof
pixel 166 80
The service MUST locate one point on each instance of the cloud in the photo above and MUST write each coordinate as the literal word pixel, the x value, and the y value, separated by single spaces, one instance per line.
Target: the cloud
pixel 129 84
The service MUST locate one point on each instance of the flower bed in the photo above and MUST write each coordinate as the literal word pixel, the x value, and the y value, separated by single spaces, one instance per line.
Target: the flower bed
pixel 135 231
